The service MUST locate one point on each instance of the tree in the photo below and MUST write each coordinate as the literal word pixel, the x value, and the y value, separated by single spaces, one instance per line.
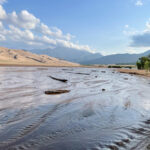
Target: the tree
pixel 143 61
pixel 138 64
pixel 146 65
pixel 148 56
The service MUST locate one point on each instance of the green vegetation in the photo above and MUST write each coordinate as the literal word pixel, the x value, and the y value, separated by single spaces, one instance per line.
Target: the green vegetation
pixel 121 66
pixel 114 66
pixel 143 63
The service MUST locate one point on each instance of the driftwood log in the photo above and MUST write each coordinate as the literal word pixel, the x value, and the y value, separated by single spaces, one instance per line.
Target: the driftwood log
pixel 55 92
pixel 61 80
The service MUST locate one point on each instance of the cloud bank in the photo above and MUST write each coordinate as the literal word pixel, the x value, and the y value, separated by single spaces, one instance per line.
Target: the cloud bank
pixel 24 30
pixel 141 39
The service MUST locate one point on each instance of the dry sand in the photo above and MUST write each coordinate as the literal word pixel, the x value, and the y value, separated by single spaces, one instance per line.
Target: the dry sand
pixel 135 72
pixel 12 57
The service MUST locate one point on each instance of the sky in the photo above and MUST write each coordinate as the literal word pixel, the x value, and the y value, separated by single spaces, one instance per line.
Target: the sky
pixel 104 26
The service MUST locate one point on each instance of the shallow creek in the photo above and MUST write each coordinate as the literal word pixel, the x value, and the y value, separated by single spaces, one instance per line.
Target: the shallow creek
pixel 104 110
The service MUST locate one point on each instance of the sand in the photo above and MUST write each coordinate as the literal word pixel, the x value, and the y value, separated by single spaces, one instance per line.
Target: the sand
pixel 134 72
pixel 13 57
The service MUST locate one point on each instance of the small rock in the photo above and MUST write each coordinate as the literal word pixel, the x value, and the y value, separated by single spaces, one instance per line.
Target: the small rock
pixel 15 57
pixel 126 140
pixel 121 144
pixel 148 147
pixel 147 122
pixel 113 147
pixel 103 90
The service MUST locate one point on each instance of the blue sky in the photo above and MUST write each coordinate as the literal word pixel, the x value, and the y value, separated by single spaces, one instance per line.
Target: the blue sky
pixel 105 26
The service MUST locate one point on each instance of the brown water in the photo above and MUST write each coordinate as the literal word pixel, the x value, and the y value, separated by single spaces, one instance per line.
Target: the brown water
pixel 87 118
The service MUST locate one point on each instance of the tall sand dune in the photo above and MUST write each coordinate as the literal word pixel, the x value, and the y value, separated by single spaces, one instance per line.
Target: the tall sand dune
pixel 22 57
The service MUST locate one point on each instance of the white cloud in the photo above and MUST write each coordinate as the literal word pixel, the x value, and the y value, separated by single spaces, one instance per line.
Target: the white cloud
pixel 2 13
pixel 129 31
pixel 2 1
pixel 1 25
pixel 2 38
pixel 147 25
pixel 140 40
pixel 14 34
pixel 44 29
pixel 139 3
pixel 27 31
pixel 23 20
pixel 136 50
pixel 69 44
pixel 48 40
pixel 126 26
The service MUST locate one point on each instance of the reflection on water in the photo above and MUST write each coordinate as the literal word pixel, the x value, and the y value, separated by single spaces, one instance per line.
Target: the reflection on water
pixel 104 110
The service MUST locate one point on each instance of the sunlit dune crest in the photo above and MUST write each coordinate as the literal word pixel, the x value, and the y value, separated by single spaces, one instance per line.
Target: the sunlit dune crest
pixel 22 57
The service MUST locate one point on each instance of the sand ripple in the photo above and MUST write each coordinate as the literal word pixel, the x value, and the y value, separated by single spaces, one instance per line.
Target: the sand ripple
pixel 87 117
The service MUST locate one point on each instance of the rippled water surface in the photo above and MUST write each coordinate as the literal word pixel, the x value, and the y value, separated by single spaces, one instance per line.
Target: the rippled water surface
pixel 86 118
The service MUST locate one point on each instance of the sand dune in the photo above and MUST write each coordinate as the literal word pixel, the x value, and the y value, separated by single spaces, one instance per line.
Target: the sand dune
pixel 22 57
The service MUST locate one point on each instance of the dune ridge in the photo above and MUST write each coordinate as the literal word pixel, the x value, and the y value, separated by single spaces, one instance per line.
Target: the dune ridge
pixel 26 58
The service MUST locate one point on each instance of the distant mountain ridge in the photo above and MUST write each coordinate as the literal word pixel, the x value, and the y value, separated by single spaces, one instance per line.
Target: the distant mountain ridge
pixel 68 54
pixel 88 58
pixel 117 59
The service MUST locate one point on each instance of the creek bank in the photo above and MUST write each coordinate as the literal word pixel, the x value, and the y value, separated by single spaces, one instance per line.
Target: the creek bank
pixel 134 72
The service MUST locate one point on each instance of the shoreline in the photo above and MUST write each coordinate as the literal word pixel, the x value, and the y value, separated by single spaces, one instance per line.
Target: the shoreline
pixel 46 65
pixel 121 70
pixel 36 65
pixel 134 72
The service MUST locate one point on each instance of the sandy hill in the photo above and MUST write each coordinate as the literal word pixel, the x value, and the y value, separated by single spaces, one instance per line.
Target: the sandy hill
pixel 21 57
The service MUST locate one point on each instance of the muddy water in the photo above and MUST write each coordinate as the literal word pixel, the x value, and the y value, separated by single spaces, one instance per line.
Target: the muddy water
pixel 86 118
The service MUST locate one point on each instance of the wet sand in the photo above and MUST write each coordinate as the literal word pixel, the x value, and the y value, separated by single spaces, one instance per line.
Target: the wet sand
pixel 86 118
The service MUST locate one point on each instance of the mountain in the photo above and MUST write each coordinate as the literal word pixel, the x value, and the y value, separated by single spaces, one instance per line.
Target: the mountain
pixel 22 57
pixel 68 54
pixel 117 59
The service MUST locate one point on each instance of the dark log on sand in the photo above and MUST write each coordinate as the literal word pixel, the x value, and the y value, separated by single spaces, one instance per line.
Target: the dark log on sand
pixel 62 80
pixel 55 92
pixel 126 78
pixel 83 73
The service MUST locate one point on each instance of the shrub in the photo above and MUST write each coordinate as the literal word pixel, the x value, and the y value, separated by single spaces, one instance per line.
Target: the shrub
pixel 138 64
pixel 143 63
pixel 146 65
